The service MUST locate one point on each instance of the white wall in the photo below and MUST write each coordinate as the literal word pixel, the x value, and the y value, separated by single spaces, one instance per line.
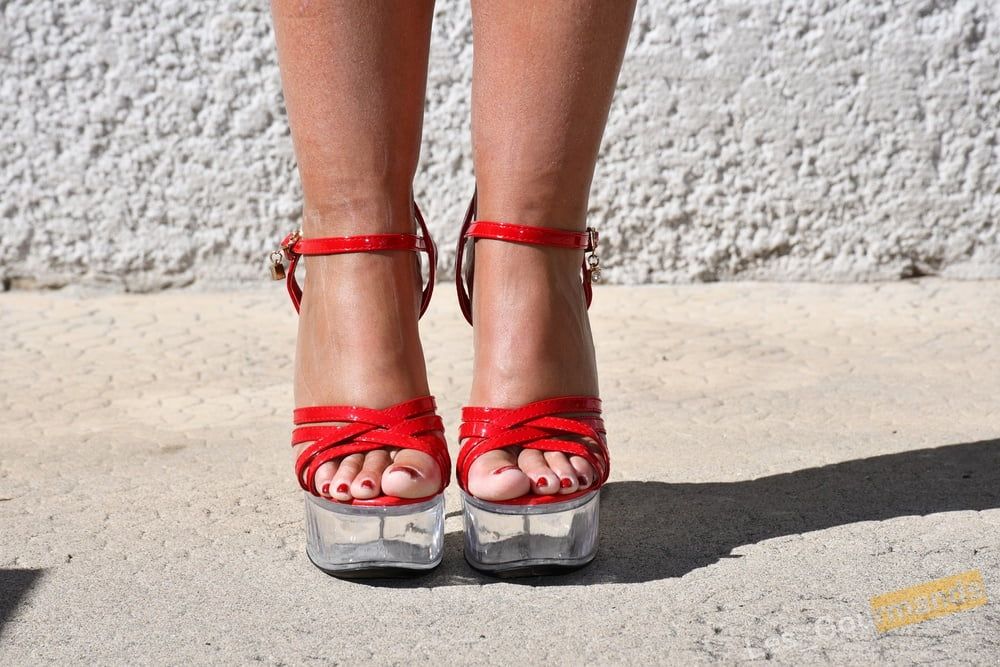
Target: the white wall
pixel 143 145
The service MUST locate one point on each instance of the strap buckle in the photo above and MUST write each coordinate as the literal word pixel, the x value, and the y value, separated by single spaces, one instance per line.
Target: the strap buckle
pixel 593 261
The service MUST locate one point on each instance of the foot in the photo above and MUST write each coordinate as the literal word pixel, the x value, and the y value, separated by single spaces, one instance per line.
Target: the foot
pixel 532 341
pixel 358 345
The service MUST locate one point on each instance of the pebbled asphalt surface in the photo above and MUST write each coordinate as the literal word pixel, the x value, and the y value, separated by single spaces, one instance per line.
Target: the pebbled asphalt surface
pixel 781 454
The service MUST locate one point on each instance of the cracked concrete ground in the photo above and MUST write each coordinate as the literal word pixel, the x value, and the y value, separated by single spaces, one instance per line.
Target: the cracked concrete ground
pixel 782 453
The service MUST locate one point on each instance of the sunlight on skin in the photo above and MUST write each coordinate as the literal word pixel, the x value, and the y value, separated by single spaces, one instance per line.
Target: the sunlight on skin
pixel 354 77
pixel 543 80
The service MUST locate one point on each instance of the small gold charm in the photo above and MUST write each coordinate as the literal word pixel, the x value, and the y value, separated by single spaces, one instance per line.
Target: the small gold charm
pixel 277 266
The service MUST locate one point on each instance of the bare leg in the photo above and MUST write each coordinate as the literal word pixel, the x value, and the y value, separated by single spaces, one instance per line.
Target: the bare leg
pixel 543 80
pixel 354 75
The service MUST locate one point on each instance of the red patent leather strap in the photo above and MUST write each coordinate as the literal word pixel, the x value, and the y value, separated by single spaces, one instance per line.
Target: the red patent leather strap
pixel 556 238
pixel 506 231
pixel 569 424
pixel 413 424
pixel 295 247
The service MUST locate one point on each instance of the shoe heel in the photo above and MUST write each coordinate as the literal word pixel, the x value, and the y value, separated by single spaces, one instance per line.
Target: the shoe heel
pixel 525 540
pixel 352 541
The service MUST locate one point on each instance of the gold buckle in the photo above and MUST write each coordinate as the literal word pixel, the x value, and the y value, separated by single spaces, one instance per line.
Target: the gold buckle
pixel 290 241
pixel 593 261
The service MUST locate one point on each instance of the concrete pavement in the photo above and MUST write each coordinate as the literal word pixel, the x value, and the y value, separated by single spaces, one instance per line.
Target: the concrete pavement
pixel 782 453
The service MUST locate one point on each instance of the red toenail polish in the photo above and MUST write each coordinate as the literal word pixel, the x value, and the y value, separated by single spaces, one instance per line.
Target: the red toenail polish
pixel 343 488
pixel 367 484
pixel 541 482
pixel 565 483
pixel 325 489
pixel 408 470
pixel 583 481
pixel 504 469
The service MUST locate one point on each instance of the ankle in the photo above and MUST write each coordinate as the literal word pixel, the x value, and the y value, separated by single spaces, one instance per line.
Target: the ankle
pixel 359 212
pixel 522 202
pixel 514 278
pixel 531 298
pixel 380 291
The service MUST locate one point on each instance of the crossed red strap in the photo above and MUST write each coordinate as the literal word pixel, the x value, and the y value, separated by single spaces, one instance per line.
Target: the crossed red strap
pixel 413 424
pixel 540 426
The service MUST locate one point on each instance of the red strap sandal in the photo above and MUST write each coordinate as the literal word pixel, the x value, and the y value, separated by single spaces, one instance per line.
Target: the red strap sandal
pixel 385 535
pixel 532 534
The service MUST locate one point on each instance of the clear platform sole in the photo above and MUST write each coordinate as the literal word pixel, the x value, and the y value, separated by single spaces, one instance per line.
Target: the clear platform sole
pixel 356 542
pixel 525 540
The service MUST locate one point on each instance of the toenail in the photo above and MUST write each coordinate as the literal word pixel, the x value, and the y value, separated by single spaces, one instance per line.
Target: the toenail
pixel 504 469
pixel 541 481
pixel 367 484
pixel 408 470
pixel 565 482
pixel 325 489
pixel 343 488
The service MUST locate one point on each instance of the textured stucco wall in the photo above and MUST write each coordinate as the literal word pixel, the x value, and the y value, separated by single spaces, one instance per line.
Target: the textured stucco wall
pixel 144 144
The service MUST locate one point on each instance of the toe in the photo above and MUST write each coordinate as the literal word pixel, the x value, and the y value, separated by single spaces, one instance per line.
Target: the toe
pixel 368 482
pixel 585 473
pixel 559 464
pixel 340 485
pixel 323 476
pixel 543 479
pixel 412 474
pixel 496 476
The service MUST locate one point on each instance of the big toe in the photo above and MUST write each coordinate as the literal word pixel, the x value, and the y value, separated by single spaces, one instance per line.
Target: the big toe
pixel 412 474
pixel 496 476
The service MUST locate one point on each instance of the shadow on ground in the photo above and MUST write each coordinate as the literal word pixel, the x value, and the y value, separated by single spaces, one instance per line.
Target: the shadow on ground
pixel 14 584
pixel 654 530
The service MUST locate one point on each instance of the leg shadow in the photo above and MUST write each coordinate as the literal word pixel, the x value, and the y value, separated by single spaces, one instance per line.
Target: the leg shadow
pixel 655 530
pixel 14 584
pixel 652 530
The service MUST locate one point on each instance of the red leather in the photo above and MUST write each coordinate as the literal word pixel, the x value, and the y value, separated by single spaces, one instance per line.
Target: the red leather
pixel 540 425
pixel 557 238
pixel 295 247
pixel 505 231
pixel 413 424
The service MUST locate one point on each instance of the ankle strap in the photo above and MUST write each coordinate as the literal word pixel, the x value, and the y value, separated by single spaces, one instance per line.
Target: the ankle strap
pixel 506 231
pixel 546 236
pixel 294 246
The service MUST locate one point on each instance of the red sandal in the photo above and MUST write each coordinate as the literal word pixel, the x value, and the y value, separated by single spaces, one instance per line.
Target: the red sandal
pixel 385 535
pixel 532 534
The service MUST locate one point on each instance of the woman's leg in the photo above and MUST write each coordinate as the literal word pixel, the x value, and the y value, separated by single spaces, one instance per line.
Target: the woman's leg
pixel 543 79
pixel 354 75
